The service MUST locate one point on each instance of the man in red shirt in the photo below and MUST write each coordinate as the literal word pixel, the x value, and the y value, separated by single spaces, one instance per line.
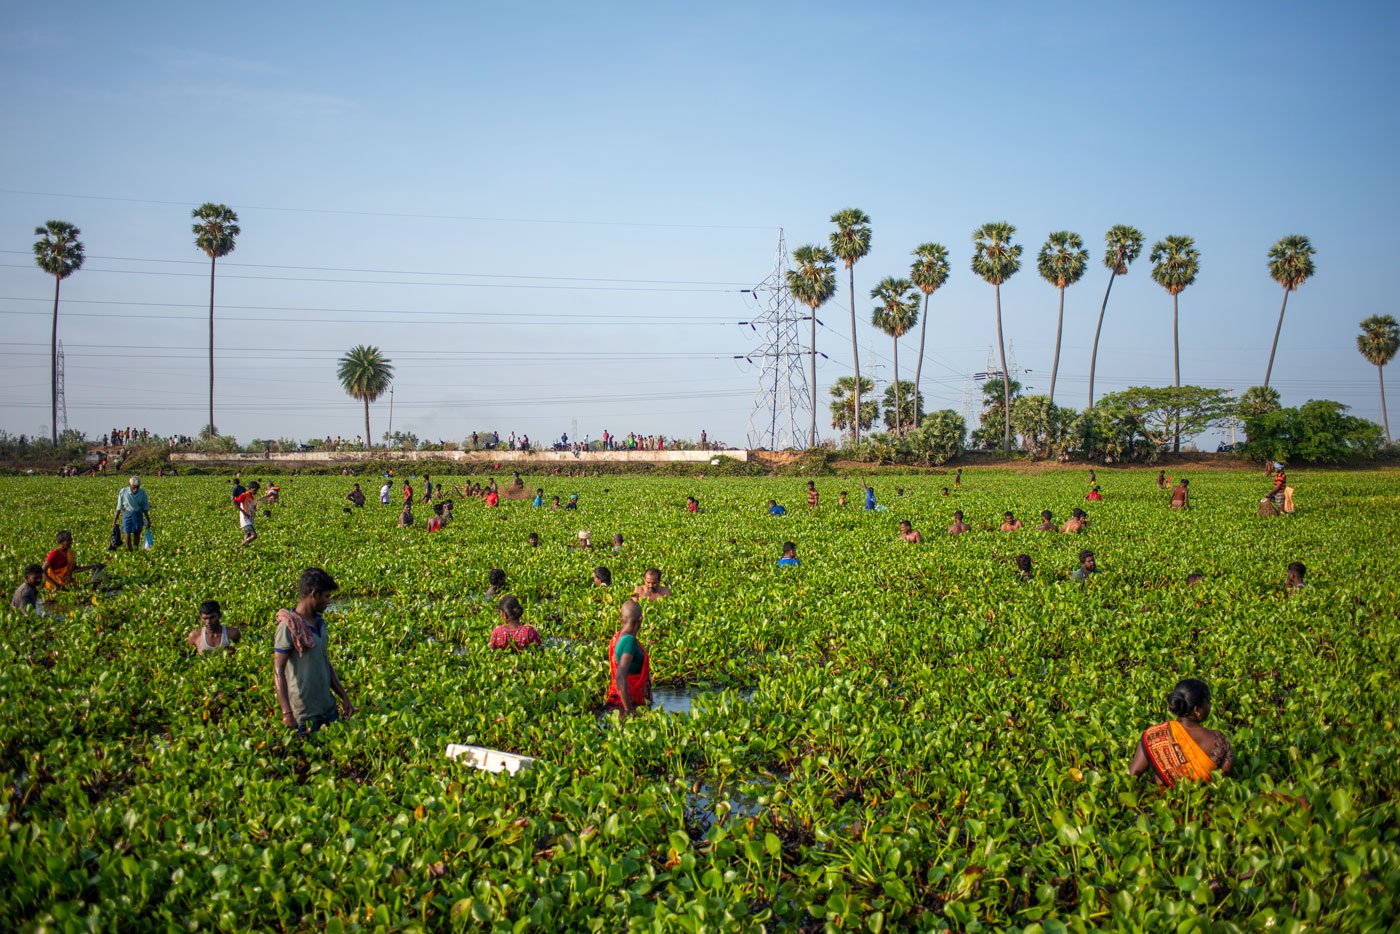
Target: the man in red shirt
pixel 247 507
pixel 492 498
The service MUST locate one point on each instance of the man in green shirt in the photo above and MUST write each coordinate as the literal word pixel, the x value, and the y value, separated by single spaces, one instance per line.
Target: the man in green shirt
pixel 306 684
pixel 133 511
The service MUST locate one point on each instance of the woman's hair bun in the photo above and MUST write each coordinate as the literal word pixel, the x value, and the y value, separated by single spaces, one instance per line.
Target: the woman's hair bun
pixel 1189 694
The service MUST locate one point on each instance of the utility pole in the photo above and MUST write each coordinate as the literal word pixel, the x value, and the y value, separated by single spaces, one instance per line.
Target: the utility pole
pixel 782 402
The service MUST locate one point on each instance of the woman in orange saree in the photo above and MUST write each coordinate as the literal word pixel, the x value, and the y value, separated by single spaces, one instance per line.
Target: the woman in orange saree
pixel 1183 749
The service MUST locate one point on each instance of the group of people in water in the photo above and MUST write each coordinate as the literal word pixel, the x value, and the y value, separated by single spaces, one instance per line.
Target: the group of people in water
pixel 310 694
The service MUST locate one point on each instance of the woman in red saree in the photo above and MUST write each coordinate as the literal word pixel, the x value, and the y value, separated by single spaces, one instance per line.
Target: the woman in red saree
pixel 629 665
pixel 1183 749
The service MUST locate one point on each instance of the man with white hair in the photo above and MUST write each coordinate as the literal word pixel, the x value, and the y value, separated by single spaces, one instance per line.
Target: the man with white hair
pixel 133 511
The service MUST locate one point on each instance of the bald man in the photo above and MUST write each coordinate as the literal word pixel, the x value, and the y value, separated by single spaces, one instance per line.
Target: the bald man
pixel 629 667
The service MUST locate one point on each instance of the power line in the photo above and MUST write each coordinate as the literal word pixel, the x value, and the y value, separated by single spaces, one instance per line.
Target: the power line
pixel 392 272
pixel 408 216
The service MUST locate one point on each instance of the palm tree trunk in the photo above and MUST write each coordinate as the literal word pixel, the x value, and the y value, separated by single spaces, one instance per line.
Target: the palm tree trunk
pixel 1176 363
pixel 919 366
pixel 369 439
pixel 1094 357
pixel 855 351
pixel 812 436
pixel 898 402
pixel 53 361
pixel 1059 330
pixel 213 432
pixel 1385 416
pixel 1273 350
pixel 1005 379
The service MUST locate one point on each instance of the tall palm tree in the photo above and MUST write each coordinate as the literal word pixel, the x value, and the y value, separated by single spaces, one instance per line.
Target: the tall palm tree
pixel 897 312
pixel 1175 263
pixel 215 229
pixel 58 252
pixel 851 241
pixel 1378 342
pixel 1122 245
pixel 996 258
pixel 1062 262
pixel 929 272
pixel 1290 265
pixel 812 283
pixel 365 374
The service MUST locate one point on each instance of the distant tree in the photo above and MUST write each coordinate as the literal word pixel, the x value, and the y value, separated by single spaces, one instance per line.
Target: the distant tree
pixel 996 258
pixel 1122 245
pixel 939 438
pixel 365 374
pixel 843 404
pixel 58 252
pixel 1258 400
pixel 1317 432
pixel 1061 263
pixel 1378 342
pixel 1043 426
pixel 1175 264
pixel 1290 265
pixel 896 313
pixel 991 423
pixel 812 283
pixel 215 230
pixel 851 242
pixel 907 411
pixel 1164 413
pixel 929 272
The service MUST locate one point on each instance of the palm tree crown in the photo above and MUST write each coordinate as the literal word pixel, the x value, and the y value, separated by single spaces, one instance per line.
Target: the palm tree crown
pixel 994 256
pixel 1122 245
pixel 929 272
pixel 812 283
pixel 216 229
pixel 365 374
pixel 898 310
pixel 1378 342
pixel 1291 261
pixel 1175 263
pixel 58 252
pixel 1063 259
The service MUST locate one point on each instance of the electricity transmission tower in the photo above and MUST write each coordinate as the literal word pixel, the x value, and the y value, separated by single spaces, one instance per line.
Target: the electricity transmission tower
pixel 783 400
pixel 62 399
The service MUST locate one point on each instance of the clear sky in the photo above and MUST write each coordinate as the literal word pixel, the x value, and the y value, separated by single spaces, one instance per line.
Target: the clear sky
pixel 544 213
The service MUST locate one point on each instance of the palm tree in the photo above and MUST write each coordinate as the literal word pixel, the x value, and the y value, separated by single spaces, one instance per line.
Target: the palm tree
pixel 1378 342
pixel 58 252
pixel 995 258
pixel 897 312
pixel 850 242
pixel 365 374
pixel 1122 244
pixel 929 272
pixel 812 283
pixel 1062 262
pixel 1290 265
pixel 843 408
pixel 214 233
pixel 1175 263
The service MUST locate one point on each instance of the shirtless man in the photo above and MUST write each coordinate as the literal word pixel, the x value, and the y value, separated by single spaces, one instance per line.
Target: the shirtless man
pixel 959 526
pixel 907 533
pixel 1078 522
pixel 1009 523
pixel 1181 495
pixel 651 587
pixel 1296 572
pixel 1047 522
pixel 212 635
pixel 1023 568
pixel 356 496
pixel 813 497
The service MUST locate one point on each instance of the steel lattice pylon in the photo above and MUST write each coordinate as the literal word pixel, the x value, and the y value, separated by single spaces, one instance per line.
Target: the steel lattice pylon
pixel 58 387
pixel 782 403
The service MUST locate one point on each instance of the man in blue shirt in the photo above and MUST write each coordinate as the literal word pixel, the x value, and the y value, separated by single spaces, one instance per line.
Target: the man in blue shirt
pixel 775 510
pixel 133 511
pixel 789 558
pixel 869 495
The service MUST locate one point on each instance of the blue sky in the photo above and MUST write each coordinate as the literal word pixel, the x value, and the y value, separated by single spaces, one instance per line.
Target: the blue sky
pixel 544 214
